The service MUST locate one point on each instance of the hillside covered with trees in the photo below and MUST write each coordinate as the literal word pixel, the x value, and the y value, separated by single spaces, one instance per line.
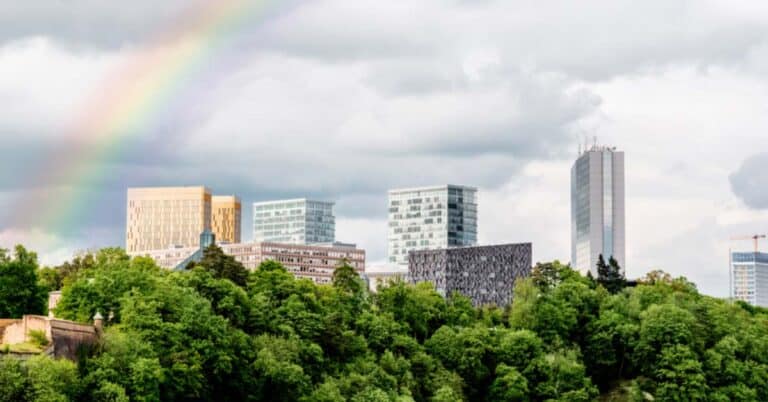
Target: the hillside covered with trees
pixel 218 332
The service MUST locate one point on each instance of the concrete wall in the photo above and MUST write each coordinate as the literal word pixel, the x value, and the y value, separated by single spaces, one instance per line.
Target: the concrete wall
pixel 18 332
pixel 66 337
pixel 4 324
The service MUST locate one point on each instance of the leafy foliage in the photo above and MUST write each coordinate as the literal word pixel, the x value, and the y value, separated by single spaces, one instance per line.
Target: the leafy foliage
pixel 610 275
pixel 20 292
pixel 222 266
pixel 219 332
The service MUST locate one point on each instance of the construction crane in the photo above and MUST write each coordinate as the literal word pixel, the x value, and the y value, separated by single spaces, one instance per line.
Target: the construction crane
pixel 754 238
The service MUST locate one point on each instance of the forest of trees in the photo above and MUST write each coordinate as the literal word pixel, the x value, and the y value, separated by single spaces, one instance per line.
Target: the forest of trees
pixel 219 332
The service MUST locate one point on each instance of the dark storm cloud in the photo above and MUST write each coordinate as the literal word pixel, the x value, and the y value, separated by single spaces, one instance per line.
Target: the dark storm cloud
pixel 750 181
pixel 88 23
pixel 339 100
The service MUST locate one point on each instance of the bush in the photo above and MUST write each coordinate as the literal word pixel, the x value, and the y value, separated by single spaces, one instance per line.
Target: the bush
pixel 38 338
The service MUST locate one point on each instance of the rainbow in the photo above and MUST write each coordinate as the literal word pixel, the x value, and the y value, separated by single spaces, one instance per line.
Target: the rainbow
pixel 133 98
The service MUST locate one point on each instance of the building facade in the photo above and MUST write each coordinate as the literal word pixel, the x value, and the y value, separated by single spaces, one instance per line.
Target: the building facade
pixel 163 217
pixel 383 275
pixel 298 221
pixel 226 218
pixel 314 262
pixel 597 208
pixel 749 280
pixel 485 274
pixel 429 218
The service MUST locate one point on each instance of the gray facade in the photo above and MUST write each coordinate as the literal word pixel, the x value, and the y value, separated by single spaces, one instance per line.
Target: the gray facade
pixel 749 280
pixel 485 274
pixel 597 208
pixel 298 221
pixel 430 218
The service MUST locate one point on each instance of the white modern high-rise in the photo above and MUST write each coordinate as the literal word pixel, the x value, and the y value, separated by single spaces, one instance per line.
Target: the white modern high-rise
pixel 428 218
pixel 597 208
pixel 297 221
pixel 750 277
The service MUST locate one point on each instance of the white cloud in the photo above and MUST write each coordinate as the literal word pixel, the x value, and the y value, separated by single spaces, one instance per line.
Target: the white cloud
pixel 342 100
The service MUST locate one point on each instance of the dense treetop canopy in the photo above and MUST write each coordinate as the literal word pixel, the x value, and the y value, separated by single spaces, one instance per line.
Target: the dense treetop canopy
pixel 218 332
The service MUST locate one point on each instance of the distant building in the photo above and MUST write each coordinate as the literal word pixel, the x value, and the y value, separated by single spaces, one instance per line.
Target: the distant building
pixel 597 208
pixel 225 218
pixel 750 277
pixel 315 262
pixel 377 276
pixel 429 218
pixel 297 221
pixel 485 274
pixel 53 300
pixel 163 217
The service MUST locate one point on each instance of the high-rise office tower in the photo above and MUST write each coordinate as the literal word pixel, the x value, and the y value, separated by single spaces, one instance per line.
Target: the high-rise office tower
pixel 429 218
pixel 750 277
pixel 597 208
pixel 225 218
pixel 163 217
pixel 298 221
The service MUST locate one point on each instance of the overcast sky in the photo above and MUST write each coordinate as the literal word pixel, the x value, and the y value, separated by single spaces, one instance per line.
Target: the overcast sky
pixel 343 100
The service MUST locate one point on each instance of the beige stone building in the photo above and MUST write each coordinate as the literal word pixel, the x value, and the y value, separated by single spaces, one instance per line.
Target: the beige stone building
pixel 225 218
pixel 163 217
pixel 315 262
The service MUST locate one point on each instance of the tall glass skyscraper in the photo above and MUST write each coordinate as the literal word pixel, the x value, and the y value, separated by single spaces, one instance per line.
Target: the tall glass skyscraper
pixel 597 208
pixel 750 277
pixel 298 221
pixel 428 218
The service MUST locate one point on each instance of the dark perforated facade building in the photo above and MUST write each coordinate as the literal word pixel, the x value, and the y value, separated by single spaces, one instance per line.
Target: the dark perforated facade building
pixel 485 274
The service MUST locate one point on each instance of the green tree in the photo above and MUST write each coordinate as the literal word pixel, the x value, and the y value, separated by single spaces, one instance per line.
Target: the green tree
pixel 509 385
pixel 446 394
pixel 200 354
pixel 50 279
pixel 518 348
pixel 278 365
pixel 466 351
pixel 52 380
pixel 128 367
pixel 680 376
pixel 418 307
pixel 661 326
pixel 347 280
pixel 197 335
pixel 559 376
pixel 102 288
pixel 610 275
pixel 222 266
pixel 13 380
pixel 20 292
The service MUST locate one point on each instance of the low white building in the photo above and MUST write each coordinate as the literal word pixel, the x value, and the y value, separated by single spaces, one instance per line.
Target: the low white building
pixel 378 275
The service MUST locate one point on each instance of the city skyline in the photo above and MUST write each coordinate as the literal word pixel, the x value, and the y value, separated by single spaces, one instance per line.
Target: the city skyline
pixel 327 101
